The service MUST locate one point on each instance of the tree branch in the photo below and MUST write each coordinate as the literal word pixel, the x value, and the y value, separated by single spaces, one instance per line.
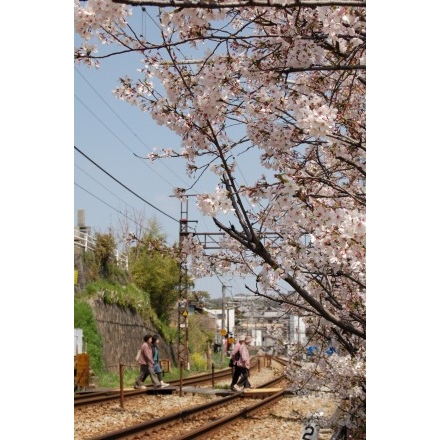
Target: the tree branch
pixel 239 4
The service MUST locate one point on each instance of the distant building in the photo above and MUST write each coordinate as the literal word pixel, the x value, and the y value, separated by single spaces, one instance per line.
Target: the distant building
pixel 245 315
pixel 229 323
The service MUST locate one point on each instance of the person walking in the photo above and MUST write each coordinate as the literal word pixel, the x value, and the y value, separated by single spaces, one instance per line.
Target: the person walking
pixel 146 364
pixel 245 360
pixel 241 367
pixel 156 367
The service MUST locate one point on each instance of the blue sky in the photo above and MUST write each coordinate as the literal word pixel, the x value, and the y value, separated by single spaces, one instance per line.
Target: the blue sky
pixel 108 135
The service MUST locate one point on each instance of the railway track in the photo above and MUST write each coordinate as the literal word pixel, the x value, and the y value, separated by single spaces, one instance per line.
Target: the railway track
pixel 224 416
pixel 93 398
pixel 197 422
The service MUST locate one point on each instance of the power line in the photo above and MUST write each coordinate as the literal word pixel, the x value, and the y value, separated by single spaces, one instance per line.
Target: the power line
pixel 111 192
pixel 122 142
pixel 123 122
pixel 105 203
pixel 103 186
pixel 126 187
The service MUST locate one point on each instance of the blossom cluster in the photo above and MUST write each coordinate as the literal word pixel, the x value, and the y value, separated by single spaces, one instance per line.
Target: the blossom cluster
pixel 282 89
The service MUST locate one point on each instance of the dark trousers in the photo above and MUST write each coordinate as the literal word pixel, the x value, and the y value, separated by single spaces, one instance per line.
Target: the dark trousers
pixel 143 374
pixel 244 380
pixel 236 375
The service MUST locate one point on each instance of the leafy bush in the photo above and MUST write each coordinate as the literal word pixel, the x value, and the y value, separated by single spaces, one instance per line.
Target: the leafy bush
pixel 198 362
pixel 84 319
pixel 128 296
pixel 199 337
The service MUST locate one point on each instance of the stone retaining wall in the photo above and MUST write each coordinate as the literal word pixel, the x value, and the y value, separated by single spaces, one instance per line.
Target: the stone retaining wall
pixel 122 332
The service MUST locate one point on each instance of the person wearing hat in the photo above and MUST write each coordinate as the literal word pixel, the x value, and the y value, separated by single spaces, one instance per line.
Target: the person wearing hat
pixel 245 374
pixel 242 365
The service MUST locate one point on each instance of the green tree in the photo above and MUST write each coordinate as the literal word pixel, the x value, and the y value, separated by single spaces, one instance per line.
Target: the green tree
pixel 105 258
pixel 200 296
pixel 198 335
pixel 105 253
pixel 155 269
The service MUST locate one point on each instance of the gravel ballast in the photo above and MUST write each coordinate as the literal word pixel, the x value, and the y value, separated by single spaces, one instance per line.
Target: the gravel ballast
pixel 285 419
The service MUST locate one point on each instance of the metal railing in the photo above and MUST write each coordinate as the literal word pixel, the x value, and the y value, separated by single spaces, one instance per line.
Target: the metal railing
pixel 87 242
pixel 84 240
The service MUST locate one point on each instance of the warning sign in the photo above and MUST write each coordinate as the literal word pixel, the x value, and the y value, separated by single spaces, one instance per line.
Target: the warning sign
pixel 223 332
pixel 185 313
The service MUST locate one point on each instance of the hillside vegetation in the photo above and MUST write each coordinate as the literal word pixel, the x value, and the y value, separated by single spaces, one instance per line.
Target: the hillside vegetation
pixel 148 291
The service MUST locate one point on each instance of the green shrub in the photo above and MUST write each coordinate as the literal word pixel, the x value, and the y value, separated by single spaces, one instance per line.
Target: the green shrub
pixel 199 337
pixel 111 380
pixel 198 362
pixel 84 319
pixel 129 296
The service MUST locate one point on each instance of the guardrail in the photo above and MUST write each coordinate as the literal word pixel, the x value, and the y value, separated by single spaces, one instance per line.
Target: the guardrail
pixel 84 240
pixel 87 242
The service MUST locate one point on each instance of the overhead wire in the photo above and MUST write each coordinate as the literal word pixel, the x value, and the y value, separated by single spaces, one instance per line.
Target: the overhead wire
pixel 103 186
pixel 107 204
pixel 124 186
pixel 126 146
pixel 144 13
pixel 122 142
pixel 126 125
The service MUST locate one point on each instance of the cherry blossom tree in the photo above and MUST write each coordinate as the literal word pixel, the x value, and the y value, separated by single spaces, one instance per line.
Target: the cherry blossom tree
pixel 283 81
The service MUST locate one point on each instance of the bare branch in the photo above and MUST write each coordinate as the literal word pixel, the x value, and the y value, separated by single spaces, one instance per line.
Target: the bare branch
pixel 238 4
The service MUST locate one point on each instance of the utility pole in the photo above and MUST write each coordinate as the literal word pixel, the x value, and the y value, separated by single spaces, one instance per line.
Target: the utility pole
pixel 209 242
pixel 182 319
pixel 223 321
pixel 224 328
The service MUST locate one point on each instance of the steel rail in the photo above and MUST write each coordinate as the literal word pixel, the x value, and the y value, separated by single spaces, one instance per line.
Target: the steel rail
pixel 99 397
pixel 161 422
pixel 116 394
pixel 221 423
pixel 165 420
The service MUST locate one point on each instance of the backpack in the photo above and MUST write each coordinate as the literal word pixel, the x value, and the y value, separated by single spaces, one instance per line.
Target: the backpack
pixel 232 362
pixel 138 355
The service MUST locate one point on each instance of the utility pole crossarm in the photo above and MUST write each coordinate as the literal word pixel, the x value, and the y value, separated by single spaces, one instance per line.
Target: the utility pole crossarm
pixel 207 239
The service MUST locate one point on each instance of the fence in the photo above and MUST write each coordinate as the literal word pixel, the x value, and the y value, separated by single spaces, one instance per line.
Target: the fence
pixel 87 242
